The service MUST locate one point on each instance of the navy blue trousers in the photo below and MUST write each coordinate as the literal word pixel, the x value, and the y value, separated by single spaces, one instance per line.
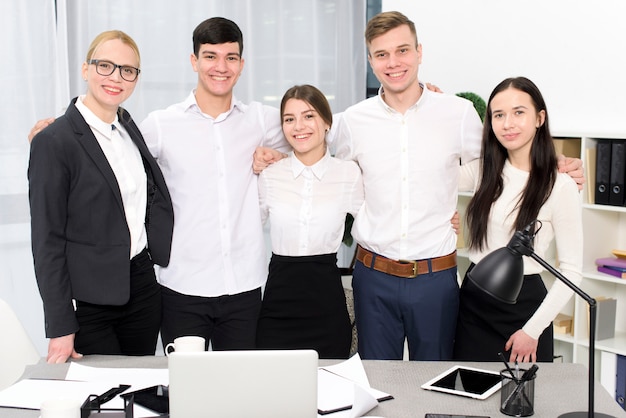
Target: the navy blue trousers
pixel 389 309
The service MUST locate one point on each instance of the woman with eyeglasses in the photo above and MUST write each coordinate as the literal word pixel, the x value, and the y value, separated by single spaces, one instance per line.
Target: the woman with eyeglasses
pixel 101 216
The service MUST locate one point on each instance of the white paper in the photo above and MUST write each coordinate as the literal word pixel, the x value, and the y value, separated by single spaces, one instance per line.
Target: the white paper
pixel 30 393
pixel 138 378
pixel 345 384
pixel 82 381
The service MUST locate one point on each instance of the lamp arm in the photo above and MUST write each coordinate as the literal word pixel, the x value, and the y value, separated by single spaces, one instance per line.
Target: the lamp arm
pixel 592 322
pixel 561 277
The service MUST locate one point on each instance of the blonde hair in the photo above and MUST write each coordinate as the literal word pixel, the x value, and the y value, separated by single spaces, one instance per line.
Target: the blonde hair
pixel 108 36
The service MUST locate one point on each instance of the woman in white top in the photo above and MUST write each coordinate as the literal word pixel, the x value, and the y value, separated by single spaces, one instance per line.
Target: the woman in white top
pixel 306 198
pixel 518 183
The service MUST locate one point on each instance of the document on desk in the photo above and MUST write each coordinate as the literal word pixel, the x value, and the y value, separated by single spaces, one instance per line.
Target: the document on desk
pixel 80 382
pixel 30 393
pixel 344 390
pixel 138 378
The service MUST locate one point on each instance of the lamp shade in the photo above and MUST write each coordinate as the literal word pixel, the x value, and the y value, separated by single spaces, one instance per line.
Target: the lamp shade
pixel 500 274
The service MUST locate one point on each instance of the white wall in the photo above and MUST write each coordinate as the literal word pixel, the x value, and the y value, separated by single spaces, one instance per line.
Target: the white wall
pixel 574 50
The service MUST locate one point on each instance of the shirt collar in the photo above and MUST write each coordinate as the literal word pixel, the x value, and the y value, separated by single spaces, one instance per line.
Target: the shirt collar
pixel 318 169
pixel 192 104
pixel 381 93
pixel 106 129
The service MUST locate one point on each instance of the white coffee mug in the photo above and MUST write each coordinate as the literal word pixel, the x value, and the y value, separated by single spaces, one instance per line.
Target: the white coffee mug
pixel 185 344
pixel 60 408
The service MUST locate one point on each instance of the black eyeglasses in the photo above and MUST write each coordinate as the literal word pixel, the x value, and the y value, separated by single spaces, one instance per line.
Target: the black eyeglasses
pixel 104 67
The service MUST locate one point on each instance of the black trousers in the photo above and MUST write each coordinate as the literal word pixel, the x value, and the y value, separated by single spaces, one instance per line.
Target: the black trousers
pixel 228 322
pixel 131 329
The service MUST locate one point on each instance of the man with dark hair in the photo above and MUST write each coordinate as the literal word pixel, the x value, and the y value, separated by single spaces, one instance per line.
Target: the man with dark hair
pixel 212 286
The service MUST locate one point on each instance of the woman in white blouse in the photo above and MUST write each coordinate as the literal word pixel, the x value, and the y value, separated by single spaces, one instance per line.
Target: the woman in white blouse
pixel 306 197
pixel 518 183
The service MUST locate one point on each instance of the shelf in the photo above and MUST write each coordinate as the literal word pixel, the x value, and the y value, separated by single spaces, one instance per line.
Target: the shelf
pixel 607 208
pixel 616 345
pixel 566 338
pixel 595 275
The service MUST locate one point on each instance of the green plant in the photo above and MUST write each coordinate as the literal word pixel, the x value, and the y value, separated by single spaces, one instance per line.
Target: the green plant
pixel 479 103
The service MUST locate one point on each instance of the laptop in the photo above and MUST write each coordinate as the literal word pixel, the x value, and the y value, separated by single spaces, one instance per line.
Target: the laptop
pixel 251 383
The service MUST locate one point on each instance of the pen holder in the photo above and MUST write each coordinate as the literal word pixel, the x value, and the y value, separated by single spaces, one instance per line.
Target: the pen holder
pixel 517 397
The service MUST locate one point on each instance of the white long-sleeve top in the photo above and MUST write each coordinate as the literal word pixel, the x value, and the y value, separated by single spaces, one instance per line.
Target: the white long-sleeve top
pixel 561 219
pixel 307 205
pixel 218 246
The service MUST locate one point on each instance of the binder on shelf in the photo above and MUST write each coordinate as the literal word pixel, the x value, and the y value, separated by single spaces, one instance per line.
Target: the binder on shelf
pixel 603 171
pixel 618 172
pixel 611 262
pixel 620 381
pixel 612 271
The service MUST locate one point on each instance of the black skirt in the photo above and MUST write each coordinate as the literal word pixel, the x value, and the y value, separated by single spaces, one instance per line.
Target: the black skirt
pixel 304 307
pixel 485 324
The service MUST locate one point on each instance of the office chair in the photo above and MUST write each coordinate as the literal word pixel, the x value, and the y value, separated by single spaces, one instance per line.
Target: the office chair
pixel 16 350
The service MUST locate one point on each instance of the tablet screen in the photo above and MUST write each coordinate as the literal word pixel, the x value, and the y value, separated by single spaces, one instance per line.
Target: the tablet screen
pixel 466 381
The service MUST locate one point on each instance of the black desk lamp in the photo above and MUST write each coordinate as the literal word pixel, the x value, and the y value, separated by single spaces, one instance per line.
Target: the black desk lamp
pixel 501 274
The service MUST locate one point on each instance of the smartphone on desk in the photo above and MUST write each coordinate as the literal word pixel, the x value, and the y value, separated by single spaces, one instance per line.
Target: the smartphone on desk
pixel 453 416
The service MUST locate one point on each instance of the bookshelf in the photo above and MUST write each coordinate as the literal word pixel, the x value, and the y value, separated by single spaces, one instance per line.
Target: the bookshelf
pixel 604 229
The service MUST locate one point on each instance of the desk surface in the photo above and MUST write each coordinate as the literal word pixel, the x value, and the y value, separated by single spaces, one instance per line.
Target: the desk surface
pixel 559 387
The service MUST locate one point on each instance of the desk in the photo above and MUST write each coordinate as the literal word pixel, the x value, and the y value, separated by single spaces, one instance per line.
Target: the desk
pixel 559 388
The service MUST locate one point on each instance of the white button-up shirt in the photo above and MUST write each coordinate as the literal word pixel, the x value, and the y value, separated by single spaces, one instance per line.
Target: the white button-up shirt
pixel 410 165
pixel 218 246
pixel 125 161
pixel 307 205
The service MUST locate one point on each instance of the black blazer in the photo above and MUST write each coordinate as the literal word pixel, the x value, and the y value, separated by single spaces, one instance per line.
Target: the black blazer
pixel 80 238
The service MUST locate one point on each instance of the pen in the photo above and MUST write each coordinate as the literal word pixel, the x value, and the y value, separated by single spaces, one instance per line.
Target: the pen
pixel 506 363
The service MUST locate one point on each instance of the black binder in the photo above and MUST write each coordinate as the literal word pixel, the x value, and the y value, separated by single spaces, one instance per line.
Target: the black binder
pixel 603 171
pixel 618 172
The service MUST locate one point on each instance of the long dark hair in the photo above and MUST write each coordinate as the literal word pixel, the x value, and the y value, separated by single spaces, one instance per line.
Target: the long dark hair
pixel 543 171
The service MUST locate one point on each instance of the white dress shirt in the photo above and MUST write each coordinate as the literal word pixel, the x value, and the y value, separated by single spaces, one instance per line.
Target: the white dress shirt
pixel 307 205
pixel 561 218
pixel 218 246
pixel 127 165
pixel 410 165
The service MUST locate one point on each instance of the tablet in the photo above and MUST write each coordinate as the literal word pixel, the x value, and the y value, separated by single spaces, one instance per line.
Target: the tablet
pixel 466 381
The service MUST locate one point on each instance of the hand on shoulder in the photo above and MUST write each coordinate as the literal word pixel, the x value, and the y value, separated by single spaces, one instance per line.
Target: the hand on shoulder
pixel 38 127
